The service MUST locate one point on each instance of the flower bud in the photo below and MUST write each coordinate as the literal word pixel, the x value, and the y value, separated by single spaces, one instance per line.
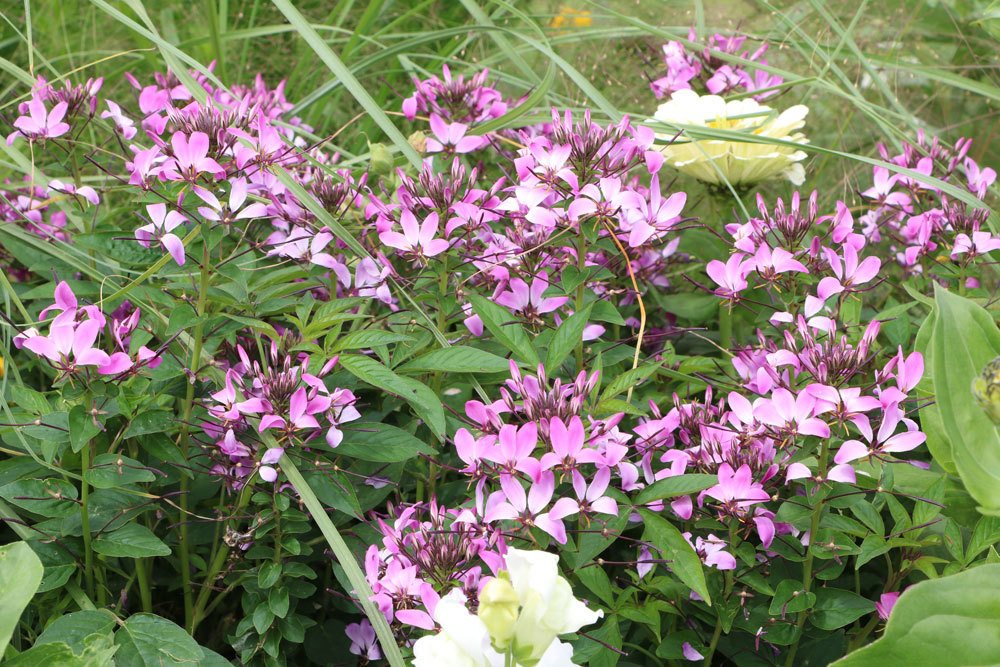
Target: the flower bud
pixel 498 610
pixel 418 140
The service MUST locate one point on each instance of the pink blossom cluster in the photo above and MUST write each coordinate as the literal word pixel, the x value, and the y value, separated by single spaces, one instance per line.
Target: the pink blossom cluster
pixel 428 550
pixel 276 393
pixel 46 114
pixel 922 225
pixel 73 344
pixel 687 69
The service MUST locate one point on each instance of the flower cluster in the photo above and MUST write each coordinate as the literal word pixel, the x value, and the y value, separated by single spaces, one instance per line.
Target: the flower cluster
pixel 73 344
pixel 277 394
pixel 697 70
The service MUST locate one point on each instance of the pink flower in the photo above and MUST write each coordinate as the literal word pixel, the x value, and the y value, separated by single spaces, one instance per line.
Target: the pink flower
pixel 980 244
pixel 40 123
pixel 416 238
pixel 233 210
pixel 655 217
pixel 124 124
pixel 591 498
pixel 452 138
pixel 712 552
pixel 300 413
pixel 885 604
pixel 736 489
pixel 190 158
pixel 528 301
pixel 512 504
pixel 849 273
pixel 568 450
pixel 796 413
pixel 731 276
pixel 769 262
pixel 363 642
pixel 885 441
pixel 160 229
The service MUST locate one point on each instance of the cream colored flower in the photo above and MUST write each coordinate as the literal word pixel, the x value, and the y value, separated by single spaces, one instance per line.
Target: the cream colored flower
pixel 714 160
pixel 548 608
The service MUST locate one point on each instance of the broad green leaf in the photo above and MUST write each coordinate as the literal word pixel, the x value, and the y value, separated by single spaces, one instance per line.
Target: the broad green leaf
pixel 457 359
pixel 382 443
pixel 424 401
pixel 147 640
pixel 684 562
pixel 81 427
pixel 931 423
pixel 364 339
pixel 73 628
pixel 834 608
pixel 965 339
pixel 155 421
pixel 953 621
pixel 20 574
pixel 130 541
pixel 671 487
pixel 110 470
pixel 505 328
pixel 567 336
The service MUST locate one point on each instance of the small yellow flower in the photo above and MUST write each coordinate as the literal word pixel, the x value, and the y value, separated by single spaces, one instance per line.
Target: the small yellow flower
pixel 2 369
pixel 576 18
pixel 717 160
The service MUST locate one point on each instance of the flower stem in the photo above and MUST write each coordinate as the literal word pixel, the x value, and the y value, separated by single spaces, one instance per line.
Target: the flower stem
pixel 185 439
pixel 725 326
pixel 807 566
pixel 88 552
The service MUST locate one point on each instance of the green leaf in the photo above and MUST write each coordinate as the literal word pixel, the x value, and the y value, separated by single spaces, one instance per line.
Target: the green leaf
pixel 629 378
pixel 382 443
pixel 73 628
pixel 366 339
pixel 566 338
pixel 155 421
pixel 685 563
pixel 147 640
pixel 931 422
pixel 424 401
pixel 130 541
pixel 110 470
pixel 505 328
pixel 81 427
pixel 20 574
pixel 671 487
pixel 457 359
pixel 835 608
pixel 268 574
pixel 790 598
pixel 949 621
pixel 965 339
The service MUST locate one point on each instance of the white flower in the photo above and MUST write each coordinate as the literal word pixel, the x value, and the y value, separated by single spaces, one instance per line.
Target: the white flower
pixel 521 614
pixel 548 608
pixel 715 160
pixel 462 642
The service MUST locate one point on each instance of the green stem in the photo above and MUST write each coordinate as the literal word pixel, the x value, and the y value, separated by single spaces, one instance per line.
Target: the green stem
pixel 347 560
pixel 88 552
pixel 215 566
pixel 725 326
pixel 807 566
pixel 581 265
pixel 199 336
pixel 143 576
pixel 710 651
